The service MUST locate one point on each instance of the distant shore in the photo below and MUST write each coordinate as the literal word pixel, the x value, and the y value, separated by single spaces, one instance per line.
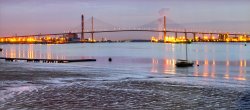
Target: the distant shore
pixel 124 41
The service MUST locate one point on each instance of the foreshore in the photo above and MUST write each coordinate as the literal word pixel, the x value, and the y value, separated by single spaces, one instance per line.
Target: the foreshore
pixel 45 89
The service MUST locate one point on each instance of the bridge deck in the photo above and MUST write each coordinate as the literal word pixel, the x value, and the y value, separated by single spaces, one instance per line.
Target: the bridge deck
pixel 48 60
pixel 132 30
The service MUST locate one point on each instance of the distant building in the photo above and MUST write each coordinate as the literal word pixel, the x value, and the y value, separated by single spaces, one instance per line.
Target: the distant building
pixel 71 37
pixel 223 37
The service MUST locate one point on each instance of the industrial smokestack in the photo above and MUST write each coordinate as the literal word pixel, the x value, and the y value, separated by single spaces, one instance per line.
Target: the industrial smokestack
pixel 165 29
pixel 92 34
pixel 82 33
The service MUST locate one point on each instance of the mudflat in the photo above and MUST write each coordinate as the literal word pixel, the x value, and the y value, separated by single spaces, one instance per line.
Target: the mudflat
pixel 25 88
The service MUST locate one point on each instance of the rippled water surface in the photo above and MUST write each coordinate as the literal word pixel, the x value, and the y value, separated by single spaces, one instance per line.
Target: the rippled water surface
pixel 221 61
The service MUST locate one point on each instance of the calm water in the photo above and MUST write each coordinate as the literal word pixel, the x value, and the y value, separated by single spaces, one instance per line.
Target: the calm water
pixel 220 64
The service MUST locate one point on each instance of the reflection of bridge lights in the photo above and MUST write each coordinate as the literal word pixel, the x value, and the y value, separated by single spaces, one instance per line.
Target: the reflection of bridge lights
pixel 227 76
pixel 205 74
pixel 206 62
pixel 31 51
pixel 169 63
pixel 154 70
pixel 154 66
pixel 213 69
pixel 206 69
pixel 241 63
pixel 240 78
pixel 49 54
pixel 167 66
pixel 242 71
pixel 196 62
pixel 214 62
pixel 23 53
pixel 19 52
pixel 155 61
pixel 12 52
pixel 173 62
pixel 227 63
pixel 213 75
pixel 196 72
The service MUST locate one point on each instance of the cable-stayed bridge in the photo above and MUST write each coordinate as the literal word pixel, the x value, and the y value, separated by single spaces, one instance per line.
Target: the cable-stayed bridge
pixel 166 28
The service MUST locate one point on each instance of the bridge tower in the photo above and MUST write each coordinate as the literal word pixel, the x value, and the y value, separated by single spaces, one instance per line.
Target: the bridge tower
pixel 92 32
pixel 165 29
pixel 194 37
pixel 176 35
pixel 82 33
pixel 185 32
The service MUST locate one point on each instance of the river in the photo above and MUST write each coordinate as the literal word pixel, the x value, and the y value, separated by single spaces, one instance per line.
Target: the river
pixel 223 66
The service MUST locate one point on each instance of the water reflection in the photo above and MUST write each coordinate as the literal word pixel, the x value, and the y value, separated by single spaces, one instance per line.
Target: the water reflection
pixel 196 70
pixel 242 71
pixel 213 69
pixel 165 66
pixel 216 62
pixel 206 69
pixel 31 51
pixel 168 66
pixel 49 54
pixel 216 69
pixel 229 70
pixel 154 66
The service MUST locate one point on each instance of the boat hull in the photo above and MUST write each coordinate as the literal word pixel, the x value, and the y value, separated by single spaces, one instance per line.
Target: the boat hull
pixel 184 63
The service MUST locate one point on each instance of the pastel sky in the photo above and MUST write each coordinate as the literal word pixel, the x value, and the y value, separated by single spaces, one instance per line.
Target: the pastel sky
pixel 45 16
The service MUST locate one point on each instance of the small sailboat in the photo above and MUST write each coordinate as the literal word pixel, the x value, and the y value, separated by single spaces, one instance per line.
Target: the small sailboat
pixel 184 63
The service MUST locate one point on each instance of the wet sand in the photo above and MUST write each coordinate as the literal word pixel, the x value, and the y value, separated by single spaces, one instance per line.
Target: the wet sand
pixel 83 91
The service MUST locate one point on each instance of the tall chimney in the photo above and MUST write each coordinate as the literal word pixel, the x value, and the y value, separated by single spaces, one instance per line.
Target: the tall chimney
pixel 165 29
pixel 82 33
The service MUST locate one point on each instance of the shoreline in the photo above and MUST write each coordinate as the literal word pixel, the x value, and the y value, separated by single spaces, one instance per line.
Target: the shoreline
pixel 132 42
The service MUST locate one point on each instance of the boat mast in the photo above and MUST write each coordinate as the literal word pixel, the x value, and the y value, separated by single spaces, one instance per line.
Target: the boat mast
pixel 186 52
pixel 186 44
